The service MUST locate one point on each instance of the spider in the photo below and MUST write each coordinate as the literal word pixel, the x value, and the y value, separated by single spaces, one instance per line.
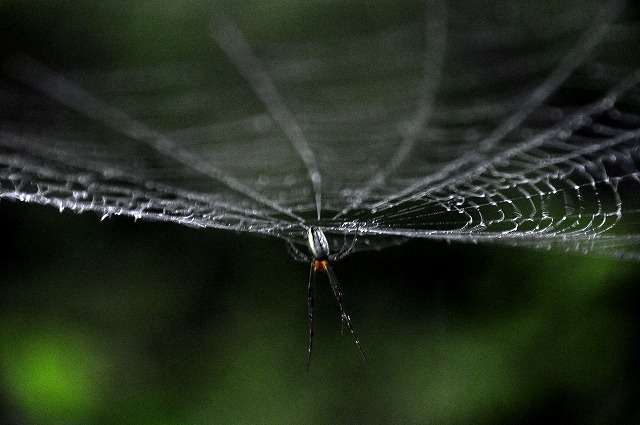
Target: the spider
pixel 319 259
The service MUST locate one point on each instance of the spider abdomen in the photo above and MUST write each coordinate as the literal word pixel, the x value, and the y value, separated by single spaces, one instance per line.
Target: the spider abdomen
pixel 318 244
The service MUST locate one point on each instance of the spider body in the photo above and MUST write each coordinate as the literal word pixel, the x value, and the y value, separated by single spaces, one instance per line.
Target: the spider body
pixel 318 244
pixel 319 259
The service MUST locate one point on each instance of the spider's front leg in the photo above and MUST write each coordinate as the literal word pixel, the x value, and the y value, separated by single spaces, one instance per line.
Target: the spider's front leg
pixel 344 252
pixel 296 253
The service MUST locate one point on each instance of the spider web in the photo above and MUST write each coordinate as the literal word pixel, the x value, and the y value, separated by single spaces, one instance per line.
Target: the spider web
pixel 455 120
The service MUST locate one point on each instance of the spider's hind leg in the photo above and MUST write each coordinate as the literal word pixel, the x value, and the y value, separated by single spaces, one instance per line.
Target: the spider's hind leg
pixel 311 304
pixel 337 291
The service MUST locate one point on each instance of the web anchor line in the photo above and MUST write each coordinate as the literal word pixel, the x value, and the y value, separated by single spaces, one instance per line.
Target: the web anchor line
pixel 571 123
pixel 67 93
pixel 576 57
pixel 435 36
pixel 231 40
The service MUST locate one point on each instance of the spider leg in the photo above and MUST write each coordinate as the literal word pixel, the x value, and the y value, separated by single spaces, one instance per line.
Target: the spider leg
pixel 311 296
pixel 296 253
pixel 337 291
pixel 344 252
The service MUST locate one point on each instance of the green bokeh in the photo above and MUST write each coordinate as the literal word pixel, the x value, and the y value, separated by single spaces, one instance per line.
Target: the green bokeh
pixel 159 324
pixel 52 373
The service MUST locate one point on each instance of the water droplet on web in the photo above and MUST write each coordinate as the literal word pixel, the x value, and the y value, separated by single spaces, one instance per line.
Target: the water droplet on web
pixel 262 124
pixel 289 180
pixel 471 135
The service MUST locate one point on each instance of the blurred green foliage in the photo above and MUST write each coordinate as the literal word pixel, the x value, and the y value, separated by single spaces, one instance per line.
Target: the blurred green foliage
pixel 121 322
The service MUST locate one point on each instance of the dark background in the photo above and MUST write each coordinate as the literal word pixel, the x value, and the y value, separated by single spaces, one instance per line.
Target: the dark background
pixel 121 322
pixel 118 321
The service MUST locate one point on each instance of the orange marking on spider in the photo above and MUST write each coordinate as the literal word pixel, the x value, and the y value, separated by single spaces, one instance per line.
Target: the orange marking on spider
pixel 319 266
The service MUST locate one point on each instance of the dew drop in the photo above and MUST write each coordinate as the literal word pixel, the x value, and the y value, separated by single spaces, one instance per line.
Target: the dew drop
pixel 263 180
